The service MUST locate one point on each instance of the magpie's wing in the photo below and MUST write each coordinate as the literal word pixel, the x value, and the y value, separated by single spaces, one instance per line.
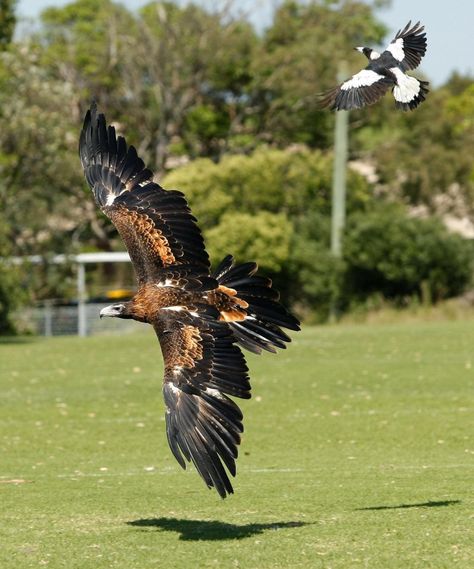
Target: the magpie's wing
pixel 202 367
pixel 409 46
pixel 156 225
pixel 363 88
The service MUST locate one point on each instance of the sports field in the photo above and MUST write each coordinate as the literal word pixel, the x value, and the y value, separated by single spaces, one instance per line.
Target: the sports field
pixel 358 452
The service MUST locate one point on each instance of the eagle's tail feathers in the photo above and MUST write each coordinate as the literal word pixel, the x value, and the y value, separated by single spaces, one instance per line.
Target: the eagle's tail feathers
pixel 257 317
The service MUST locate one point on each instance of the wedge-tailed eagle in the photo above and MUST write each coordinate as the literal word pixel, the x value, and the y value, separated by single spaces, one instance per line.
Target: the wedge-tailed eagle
pixel 200 317
pixel 385 71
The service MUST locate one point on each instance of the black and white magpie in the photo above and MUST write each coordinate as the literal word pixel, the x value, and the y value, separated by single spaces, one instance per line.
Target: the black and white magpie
pixel 385 71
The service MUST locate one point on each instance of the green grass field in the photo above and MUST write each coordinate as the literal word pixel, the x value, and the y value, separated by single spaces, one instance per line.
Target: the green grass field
pixel 358 452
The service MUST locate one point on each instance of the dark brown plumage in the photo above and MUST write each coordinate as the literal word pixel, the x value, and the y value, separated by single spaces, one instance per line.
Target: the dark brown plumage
pixel 199 317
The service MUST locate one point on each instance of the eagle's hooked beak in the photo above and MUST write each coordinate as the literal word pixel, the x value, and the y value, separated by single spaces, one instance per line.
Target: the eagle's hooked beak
pixel 113 310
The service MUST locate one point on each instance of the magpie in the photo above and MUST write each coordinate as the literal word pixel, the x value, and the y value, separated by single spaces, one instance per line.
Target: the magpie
pixel 385 71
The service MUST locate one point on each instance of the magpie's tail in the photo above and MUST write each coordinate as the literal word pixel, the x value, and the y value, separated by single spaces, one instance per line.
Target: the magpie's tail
pixel 409 92
pixel 251 307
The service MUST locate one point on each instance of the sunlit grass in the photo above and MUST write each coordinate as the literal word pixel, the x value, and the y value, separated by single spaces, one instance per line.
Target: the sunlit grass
pixel 382 312
pixel 358 452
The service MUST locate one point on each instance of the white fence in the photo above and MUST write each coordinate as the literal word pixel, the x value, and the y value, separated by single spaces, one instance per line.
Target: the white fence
pixel 52 319
pixel 66 320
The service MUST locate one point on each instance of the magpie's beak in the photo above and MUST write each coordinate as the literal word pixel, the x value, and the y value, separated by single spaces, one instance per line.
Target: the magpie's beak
pixel 111 311
pixel 361 49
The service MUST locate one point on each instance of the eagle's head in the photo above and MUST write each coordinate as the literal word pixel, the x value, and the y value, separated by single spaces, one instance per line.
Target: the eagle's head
pixel 119 310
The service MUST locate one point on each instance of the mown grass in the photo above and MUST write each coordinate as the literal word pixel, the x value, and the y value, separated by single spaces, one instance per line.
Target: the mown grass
pixel 358 452
pixel 379 311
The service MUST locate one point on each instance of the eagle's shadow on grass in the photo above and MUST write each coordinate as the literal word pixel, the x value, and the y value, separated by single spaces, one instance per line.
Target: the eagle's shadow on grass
pixel 429 504
pixel 210 530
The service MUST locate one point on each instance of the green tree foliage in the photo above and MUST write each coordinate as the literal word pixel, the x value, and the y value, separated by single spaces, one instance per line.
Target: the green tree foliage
pixel 40 183
pixel 298 59
pixel 179 72
pixel 7 22
pixel 42 206
pixel 430 155
pixel 82 44
pixel 195 64
pixel 11 297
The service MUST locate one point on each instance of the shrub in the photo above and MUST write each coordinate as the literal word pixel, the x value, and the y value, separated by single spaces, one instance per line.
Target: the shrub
pixel 11 295
pixel 295 181
pixel 264 237
pixel 316 275
pixel 386 251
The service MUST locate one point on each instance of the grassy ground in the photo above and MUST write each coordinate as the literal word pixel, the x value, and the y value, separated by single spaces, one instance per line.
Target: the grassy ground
pixel 358 452
pixel 383 312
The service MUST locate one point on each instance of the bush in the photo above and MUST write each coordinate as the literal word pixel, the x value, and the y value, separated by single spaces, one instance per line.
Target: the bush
pixel 11 295
pixel 264 237
pixel 319 279
pixel 315 273
pixel 398 256
pixel 11 292
pixel 294 181
pixel 274 207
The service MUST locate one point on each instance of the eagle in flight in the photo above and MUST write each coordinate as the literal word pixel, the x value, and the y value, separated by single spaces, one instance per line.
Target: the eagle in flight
pixel 200 317
pixel 385 71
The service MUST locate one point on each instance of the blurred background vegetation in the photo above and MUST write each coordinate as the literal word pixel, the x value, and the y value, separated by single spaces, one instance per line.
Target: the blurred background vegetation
pixel 229 115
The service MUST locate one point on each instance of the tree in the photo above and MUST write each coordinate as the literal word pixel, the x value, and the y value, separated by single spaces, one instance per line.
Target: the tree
pixel 41 188
pixel 82 44
pixel 187 83
pixel 7 22
pixel 298 59
pixel 188 72
pixel 178 73
pixel 427 159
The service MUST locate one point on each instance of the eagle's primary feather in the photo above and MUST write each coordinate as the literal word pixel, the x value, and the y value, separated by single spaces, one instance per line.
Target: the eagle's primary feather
pixel 200 318
pixel 156 225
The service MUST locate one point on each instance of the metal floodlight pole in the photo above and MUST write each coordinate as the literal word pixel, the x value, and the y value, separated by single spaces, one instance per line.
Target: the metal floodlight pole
pixel 339 173
pixel 81 300
pixel 338 202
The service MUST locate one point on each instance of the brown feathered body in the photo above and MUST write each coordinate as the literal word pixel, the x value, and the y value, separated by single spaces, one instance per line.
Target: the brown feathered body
pixel 150 299
pixel 200 317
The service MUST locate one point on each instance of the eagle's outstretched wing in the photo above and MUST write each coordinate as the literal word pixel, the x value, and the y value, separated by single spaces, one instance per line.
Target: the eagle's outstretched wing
pixel 409 46
pixel 156 225
pixel 202 367
pixel 364 88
